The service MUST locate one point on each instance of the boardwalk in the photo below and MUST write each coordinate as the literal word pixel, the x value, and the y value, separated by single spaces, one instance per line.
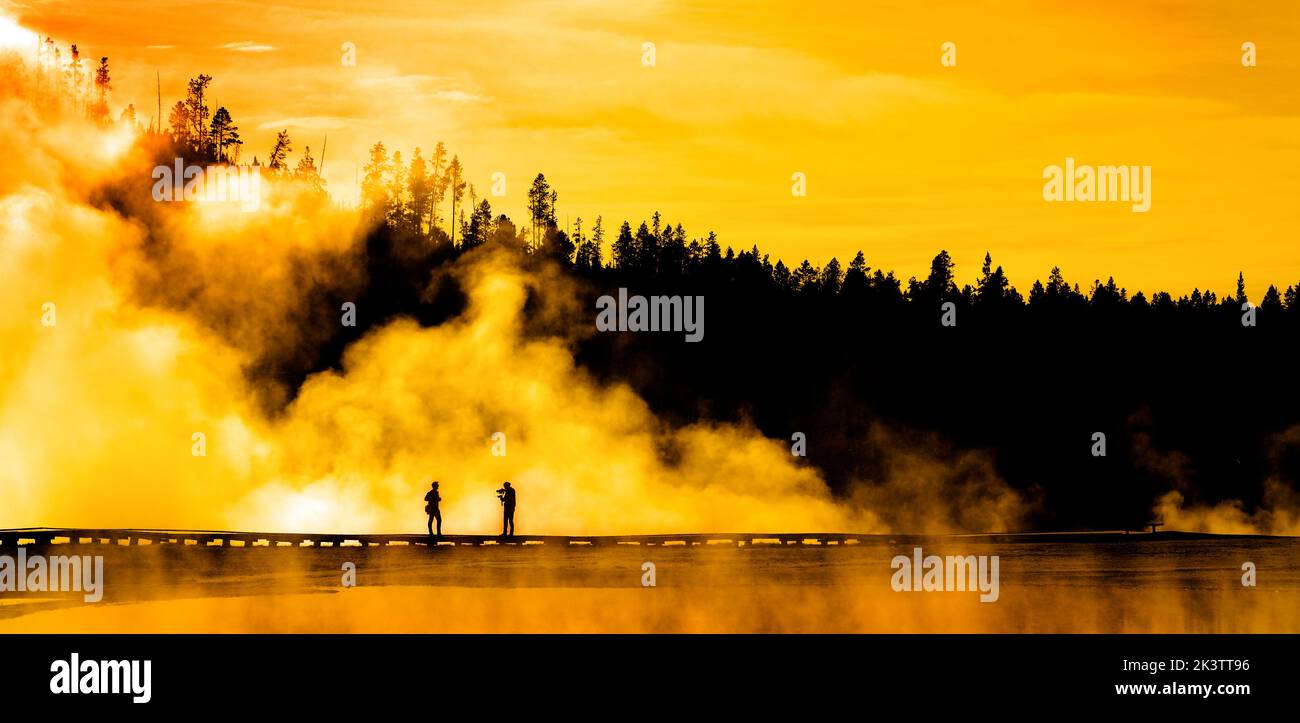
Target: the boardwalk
pixel 218 538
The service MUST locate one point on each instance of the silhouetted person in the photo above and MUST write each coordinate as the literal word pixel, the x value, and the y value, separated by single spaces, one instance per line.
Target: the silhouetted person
pixel 507 496
pixel 431 500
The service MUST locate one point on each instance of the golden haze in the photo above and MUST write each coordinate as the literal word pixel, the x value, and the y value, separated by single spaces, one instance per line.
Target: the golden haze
pixel 96 414
pixel 903 156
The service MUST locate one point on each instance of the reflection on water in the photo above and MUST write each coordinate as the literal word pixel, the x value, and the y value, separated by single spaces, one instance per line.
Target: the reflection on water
pixel 1145 586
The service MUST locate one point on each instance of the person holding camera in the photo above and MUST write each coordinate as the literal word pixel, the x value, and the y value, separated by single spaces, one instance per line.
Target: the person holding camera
pixel 507 496
pixel 431 500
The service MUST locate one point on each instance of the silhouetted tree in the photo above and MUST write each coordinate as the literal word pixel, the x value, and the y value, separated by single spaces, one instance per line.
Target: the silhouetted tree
pixel 437 184
pixel 479 228
pixel 455 182
pixel 938 287
pixel 374 189
pixel 623 249
pixel 280 152
pixel 306 171
pixel 420 192
pixel 831 278
pixel 224 134
pixel 196 110
pixel 179 123
pixel 541 208
pixel 1271 304
pixel 103 84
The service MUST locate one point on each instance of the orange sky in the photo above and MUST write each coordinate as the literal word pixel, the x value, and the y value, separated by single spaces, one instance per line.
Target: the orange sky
pixel 903 156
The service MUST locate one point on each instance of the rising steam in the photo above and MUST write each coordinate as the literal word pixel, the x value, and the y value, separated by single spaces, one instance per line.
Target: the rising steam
pixel 158 313
pixel 162 309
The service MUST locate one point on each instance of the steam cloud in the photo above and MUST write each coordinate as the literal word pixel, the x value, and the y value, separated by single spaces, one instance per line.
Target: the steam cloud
pixel 161 311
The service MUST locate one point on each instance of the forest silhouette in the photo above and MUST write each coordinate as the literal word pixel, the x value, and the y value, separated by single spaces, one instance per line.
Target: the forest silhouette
pixel 1189 398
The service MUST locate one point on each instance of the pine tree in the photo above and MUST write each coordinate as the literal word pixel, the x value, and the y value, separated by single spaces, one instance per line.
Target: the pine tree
pixel 831 277
pixel 179 123
pixel 437 183
pixel 197 112
pixel 541 208
pixel 456 186
pixel 307 172
pixel 374 190
pixel 280 152
pixel 417 184
pixel 224 134
pixel 623 250
pixel 103 84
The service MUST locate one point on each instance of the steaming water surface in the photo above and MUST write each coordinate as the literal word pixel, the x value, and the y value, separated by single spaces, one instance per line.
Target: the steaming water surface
pixel 1141 586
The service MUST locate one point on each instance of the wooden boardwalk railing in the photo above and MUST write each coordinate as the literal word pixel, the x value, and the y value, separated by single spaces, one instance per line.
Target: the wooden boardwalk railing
pixel 59 535
pixel 219 538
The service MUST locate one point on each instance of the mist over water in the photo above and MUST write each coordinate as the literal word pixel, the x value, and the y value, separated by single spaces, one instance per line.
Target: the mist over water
pixel 1148 586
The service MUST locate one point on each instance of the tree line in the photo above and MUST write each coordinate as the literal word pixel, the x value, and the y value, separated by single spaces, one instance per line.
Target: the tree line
pixel 406 198
pixel 77 82
pixel 199 134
